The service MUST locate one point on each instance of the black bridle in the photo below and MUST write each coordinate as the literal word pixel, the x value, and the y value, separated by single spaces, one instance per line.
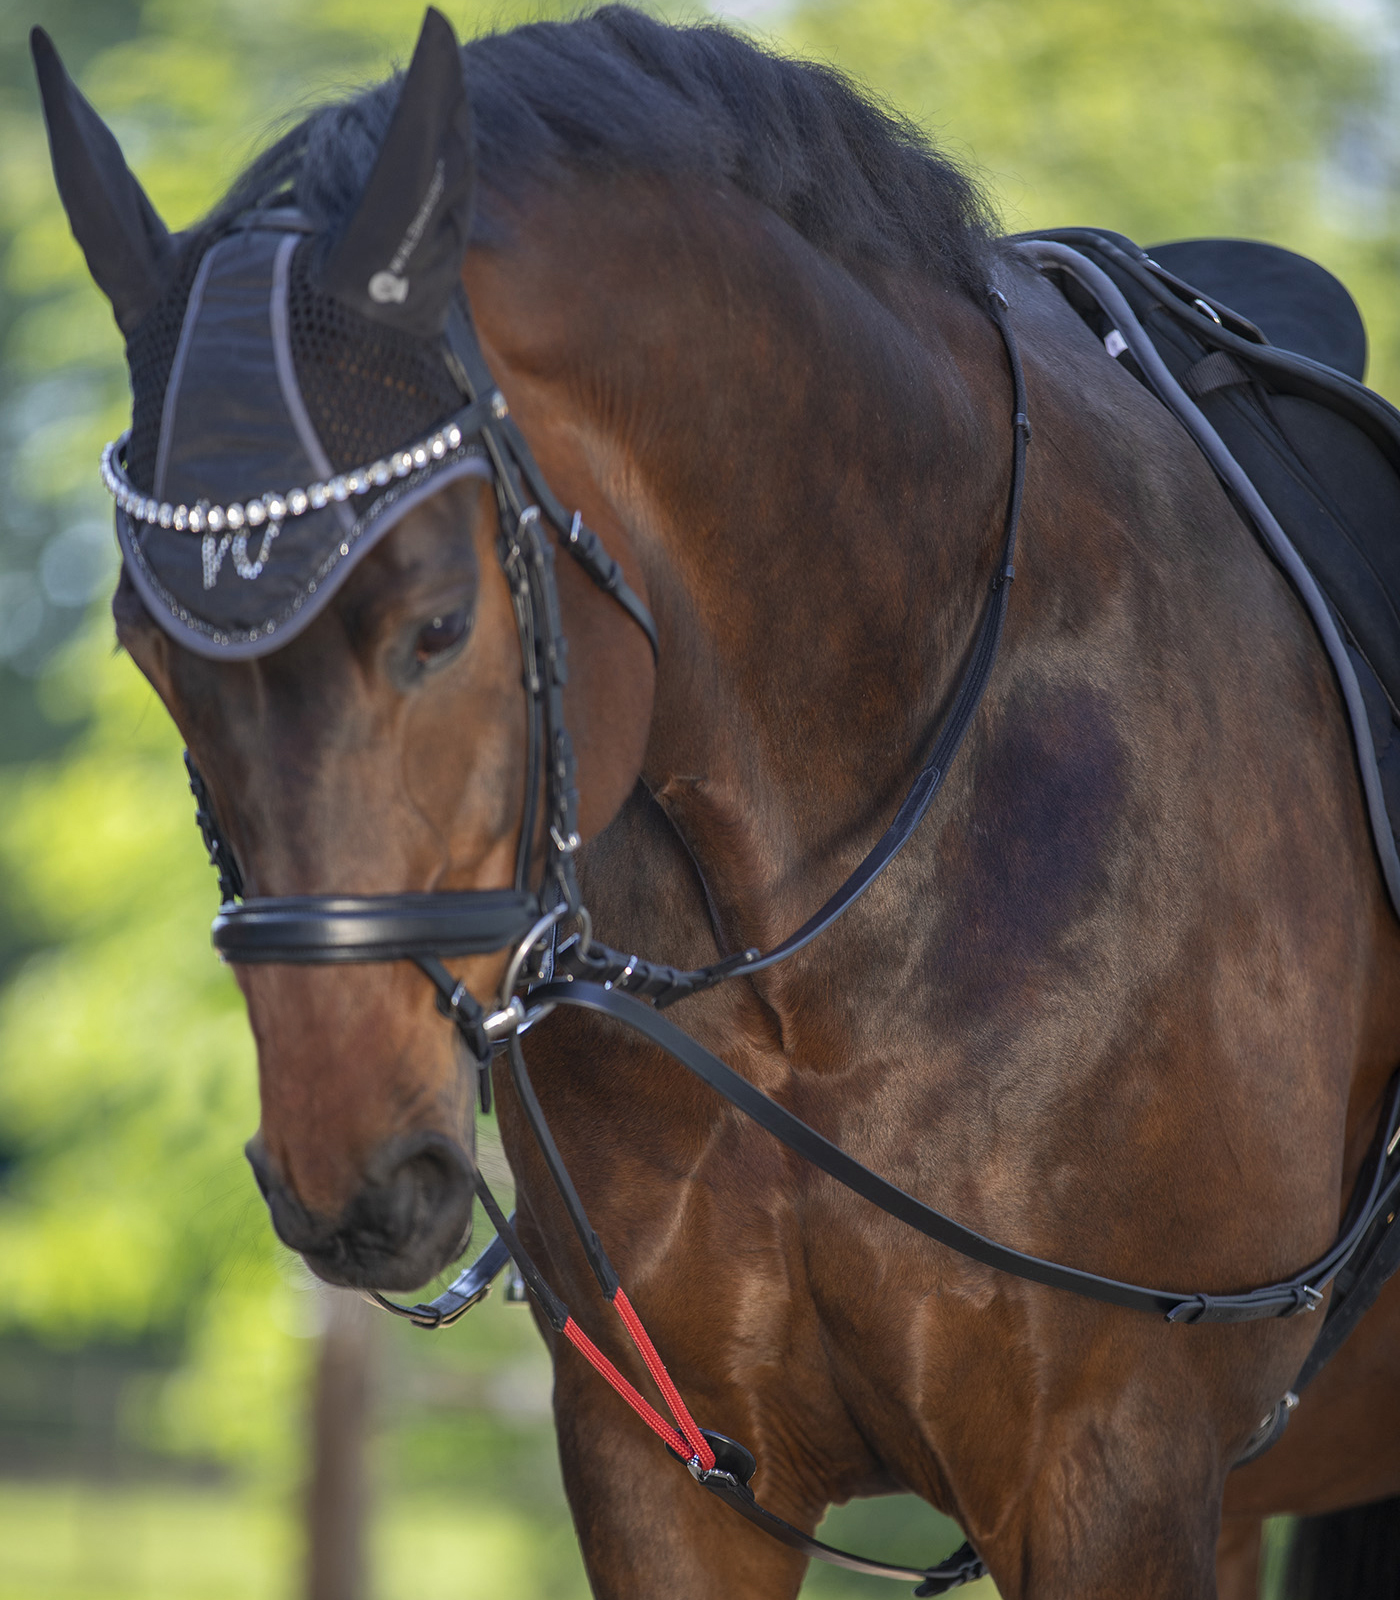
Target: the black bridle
pixel 580 972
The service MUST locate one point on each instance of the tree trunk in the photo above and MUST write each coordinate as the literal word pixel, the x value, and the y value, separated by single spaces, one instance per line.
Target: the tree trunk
pixel 337 1496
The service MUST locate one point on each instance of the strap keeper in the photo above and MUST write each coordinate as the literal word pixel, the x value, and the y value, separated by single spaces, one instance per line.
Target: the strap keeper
pixel 1022 423
pixel 997 297
pixel 1191 1309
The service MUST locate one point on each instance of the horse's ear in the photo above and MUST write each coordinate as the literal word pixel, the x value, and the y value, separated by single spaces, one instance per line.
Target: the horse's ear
pixel 400 257
pixel 128 248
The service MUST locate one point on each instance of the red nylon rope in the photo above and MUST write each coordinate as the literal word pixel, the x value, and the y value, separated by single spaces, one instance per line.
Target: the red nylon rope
pixel 689 1444
pixel 699 1446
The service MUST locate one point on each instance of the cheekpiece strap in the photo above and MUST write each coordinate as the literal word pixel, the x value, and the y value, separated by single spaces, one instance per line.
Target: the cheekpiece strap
pixel 580 541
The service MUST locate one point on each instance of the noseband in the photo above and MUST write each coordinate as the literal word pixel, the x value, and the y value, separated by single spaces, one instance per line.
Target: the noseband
pixel 580 972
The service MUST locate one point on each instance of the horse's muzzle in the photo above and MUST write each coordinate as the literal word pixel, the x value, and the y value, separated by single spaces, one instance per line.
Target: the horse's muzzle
pixel 411 1216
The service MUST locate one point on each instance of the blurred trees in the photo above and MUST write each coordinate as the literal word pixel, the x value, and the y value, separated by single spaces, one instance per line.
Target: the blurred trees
pixel 1271 119
pixel 126 1074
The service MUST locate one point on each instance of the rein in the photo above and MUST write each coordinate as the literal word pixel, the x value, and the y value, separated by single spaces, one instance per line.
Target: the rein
pixel 424 928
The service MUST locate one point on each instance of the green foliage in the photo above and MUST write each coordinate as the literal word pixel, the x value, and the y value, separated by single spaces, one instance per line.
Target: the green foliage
pixel 1149 119
pixel 128 1084
pixel 126 1064
pixel 75 1542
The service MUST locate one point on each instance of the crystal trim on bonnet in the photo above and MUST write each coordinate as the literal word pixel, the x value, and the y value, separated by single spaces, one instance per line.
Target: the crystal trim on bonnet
pixel 273 508
pixel 339 550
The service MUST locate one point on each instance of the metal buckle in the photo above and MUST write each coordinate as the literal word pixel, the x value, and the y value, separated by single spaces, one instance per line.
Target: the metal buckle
pixel 501 1024
pixel 516 1015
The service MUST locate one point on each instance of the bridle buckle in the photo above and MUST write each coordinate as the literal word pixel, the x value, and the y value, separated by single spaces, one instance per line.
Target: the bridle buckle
pixel 498 1025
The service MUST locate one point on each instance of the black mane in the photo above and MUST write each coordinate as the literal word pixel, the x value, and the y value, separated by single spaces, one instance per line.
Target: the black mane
pixel 616 91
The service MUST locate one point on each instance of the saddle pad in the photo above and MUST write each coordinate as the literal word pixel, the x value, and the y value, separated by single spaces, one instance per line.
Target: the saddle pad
pixel 1322 450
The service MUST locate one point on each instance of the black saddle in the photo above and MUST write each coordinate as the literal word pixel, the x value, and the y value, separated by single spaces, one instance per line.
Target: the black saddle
pixel 1294 303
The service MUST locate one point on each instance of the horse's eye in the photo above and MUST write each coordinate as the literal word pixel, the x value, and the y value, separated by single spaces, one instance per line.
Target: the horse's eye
pixel 442 634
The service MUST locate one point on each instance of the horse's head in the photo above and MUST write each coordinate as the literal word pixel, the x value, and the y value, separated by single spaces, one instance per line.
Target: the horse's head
pixel 311 582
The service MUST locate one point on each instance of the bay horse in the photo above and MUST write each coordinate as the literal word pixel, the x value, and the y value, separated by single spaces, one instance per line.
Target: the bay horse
pixel 1129 998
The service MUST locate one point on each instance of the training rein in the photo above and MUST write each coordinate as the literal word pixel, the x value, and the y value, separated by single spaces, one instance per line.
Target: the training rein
pixel 425 928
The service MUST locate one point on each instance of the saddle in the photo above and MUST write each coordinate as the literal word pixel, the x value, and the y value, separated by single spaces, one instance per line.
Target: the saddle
pixel 1269 349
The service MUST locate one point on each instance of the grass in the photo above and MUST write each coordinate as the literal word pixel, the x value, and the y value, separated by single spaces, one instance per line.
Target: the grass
pixel 85 1541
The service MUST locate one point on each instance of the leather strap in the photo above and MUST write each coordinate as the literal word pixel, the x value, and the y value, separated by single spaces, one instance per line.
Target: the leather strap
pixel 466 1290
pixel 580 541
pixel 1301 1293
pixel 311 929
pixel 963 1566
pixel 1375 1262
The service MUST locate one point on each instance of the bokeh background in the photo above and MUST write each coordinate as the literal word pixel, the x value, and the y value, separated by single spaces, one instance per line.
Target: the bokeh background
pixel 160 1355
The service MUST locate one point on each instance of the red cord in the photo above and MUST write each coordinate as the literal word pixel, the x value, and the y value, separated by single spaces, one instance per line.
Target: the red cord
pixel 699 1446
pixel 689 1444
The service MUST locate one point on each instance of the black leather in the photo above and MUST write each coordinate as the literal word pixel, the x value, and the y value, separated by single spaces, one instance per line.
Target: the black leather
pixel 511 450
pixel 332 928
pixel 1300 1293
pixel 469 1288
pixel 963 1566
pixel 665 985
pixel 1296 304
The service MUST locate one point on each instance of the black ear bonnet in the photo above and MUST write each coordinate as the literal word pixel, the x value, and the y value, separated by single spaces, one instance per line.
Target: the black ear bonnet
pixel 293 396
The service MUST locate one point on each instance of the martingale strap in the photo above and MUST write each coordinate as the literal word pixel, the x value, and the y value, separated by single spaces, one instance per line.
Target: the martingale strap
pixel 719 1464
pixel 1301 1293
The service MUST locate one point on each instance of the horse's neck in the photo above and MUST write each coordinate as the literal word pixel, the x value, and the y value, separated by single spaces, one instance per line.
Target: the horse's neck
pixel 822 559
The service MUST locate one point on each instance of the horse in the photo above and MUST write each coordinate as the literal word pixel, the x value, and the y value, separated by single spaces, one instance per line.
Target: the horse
pixel 1130 995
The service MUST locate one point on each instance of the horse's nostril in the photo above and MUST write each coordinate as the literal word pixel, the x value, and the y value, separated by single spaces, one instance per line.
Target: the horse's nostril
pixel 411 1216
pixel 418 1191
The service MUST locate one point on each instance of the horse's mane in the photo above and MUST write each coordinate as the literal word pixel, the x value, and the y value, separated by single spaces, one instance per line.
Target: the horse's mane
pixel 618 92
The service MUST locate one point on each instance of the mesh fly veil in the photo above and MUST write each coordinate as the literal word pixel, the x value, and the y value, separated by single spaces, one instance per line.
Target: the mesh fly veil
pixel 254 393
pixel 293 394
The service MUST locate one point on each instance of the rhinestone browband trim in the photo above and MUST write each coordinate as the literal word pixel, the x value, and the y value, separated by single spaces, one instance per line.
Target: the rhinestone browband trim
pixel 276 508
pixel 340 550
